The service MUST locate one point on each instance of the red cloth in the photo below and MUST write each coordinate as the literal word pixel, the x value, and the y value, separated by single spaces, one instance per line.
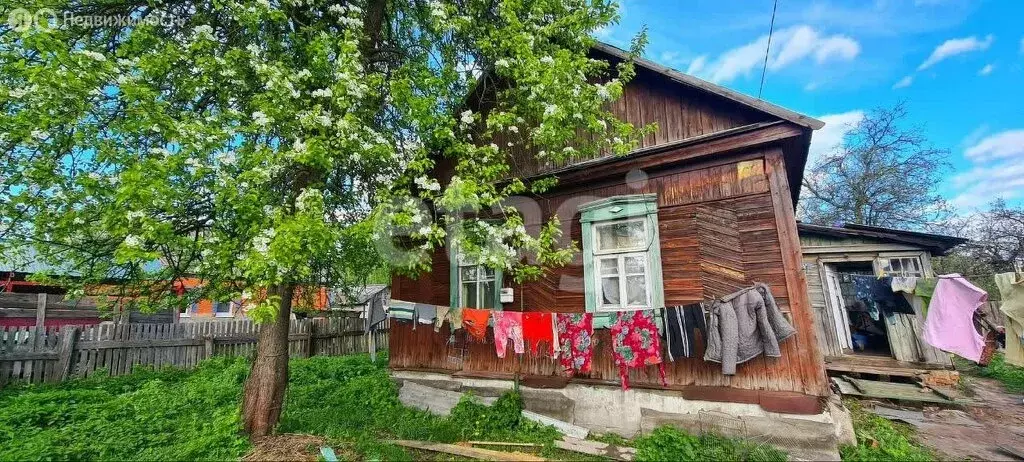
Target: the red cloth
pixel 475 322
pixel 538 328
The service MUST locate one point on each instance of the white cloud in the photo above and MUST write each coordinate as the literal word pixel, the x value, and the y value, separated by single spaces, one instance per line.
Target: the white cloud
pixel 904 82
pixel 975 136
pixel 1022 44
pixel 669 58
pixel 986 70
pixel 953 47
pixel 697 64
pixel 789 46
pixel 997 172
pixel 830 136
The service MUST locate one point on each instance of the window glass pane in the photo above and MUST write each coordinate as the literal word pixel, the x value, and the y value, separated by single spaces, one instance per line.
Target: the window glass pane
pixel 624 235
pixel 635 265
pixel 609 266
pixel 222 307
pixel 468 273
pixel 913 264
pixel 636 290
pixel 488 273
pixel 468 295
pixel 610 291
pixel 487 294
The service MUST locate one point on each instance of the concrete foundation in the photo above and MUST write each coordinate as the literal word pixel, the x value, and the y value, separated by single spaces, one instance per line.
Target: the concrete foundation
pixel 607 409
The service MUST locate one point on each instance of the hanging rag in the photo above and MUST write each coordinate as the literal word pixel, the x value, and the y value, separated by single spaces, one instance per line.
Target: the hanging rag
pixel 924 289
pixel 743 325
pixel 475 322
pixel 376 313
pixel 508 325
pixel 950 324
pixel 575 341
pixel 905 284
pixel 877 293
pixel 425 314
pixel 442 316
pixel 1011 290
pixel 537 329
pixel 681 323
pixel 636 344
pixel 455 318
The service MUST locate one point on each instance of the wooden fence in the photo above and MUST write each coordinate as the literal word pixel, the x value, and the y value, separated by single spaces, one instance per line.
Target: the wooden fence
pixel 54 354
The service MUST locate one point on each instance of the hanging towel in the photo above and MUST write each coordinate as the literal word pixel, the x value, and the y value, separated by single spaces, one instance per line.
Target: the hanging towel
pixel 475 322
pixel 743 325
pixel 681 323
pixel 904 284
pixel 376 313
pixel 426 313
pixel 635 344
pixel 950 325
pixel 575 341
pixel 924 289
pixel 536 330
pixel 442 316
pixel 1012 293
pixel 508 325
pixel 877 292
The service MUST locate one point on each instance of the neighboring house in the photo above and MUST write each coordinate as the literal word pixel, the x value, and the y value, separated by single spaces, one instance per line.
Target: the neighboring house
pixel 705 207
pixel 337 301
pixel 832 255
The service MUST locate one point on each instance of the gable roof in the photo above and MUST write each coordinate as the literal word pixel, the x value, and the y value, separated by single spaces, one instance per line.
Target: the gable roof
pixel 701 84
pixel 937 244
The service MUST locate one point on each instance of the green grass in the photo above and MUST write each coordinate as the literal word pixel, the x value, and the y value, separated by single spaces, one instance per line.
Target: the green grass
pixel 1012 377
pixel 881 439
pixel 174 414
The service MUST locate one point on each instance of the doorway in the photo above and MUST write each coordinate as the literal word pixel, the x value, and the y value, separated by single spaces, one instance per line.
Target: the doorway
pixel 862 331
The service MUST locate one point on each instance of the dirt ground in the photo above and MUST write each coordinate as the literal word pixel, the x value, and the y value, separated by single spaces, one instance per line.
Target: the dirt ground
pixel 993 418
pixel 287 446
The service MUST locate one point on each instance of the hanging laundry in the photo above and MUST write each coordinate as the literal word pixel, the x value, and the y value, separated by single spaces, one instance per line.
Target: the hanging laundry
pixel 455 318
pixel 924 289
pixel 1011 290
pixel 743 325
pixel 575 341
pixel 475 322
pixel 442 316
pixel 949 325
pixel 681 323
pixel 376 313
pixel 425 313
pixel 636 344
pixel 508 325
pixel 537 329
pixel 877 293
pixel 905 284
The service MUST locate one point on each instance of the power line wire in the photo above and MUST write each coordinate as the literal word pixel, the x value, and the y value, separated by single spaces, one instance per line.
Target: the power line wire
pixel 771 29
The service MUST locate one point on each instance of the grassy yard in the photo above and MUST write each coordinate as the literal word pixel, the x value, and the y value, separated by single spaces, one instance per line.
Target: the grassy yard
pixel 1012 377
pixel 173 414
pixel 881 439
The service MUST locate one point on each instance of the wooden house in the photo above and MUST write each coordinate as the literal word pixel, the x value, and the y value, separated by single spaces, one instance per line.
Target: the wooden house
pixel 832 257
pixel 715 188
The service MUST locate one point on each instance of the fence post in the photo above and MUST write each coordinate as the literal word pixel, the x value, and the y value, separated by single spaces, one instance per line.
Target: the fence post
pixel 67 349
pixel 40 309
pixel 208 343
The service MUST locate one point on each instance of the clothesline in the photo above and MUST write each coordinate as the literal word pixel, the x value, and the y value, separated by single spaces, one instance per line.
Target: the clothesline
pixel 966 276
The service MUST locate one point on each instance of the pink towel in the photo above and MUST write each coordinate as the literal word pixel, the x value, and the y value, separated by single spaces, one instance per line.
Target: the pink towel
pixel 949 326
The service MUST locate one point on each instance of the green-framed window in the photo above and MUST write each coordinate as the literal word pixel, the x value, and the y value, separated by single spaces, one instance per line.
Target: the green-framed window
pixel 622 254
pixel 473 285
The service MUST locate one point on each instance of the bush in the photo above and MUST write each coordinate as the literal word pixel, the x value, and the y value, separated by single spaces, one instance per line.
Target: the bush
pixel 667 443
pixel 880 439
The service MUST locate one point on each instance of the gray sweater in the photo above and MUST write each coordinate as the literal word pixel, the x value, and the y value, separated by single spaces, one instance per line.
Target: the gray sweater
pixel 744 325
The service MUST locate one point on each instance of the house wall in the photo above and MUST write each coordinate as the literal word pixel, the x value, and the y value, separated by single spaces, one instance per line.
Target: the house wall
pixel 904 330
pixel 724 224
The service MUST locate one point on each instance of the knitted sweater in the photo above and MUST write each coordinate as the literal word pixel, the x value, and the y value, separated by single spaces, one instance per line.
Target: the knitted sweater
pixel 744 325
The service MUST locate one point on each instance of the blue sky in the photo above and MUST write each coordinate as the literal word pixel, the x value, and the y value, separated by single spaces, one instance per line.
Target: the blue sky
pixel 959 65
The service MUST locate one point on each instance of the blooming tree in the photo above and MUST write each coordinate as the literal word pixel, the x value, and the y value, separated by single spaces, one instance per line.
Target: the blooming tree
pixel 261 147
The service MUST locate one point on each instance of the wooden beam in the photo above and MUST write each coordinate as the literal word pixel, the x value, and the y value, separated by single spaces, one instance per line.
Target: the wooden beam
pixel 40 310
pixel 812 371
pixel 470 452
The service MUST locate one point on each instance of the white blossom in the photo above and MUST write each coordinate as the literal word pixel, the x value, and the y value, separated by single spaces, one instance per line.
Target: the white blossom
pixel 259 118
pixel 299 146
pixel 424 230
pixel 467 116
pixel 132 240
pixel 93 55
pixel 547 60
pixel 501 62
pixel 513 129
pixel 603 93
pixel 350 22
pixel 193 162
pixel 18 92
pixel 227 158
pixel 40 134
pixel 427 183
pixel 336 8
pixel 203 31
pixel 549 109
pixel 323 93
pixel 304 74
pixel 261 243
pixel 134 214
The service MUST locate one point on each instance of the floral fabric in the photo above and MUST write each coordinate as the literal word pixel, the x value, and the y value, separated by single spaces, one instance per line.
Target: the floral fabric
pixel 635 344
pixel 508 325
pixel 575 341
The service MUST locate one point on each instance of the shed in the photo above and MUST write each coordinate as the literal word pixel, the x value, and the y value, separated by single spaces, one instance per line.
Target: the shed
pixel 832 256
pixel 711 188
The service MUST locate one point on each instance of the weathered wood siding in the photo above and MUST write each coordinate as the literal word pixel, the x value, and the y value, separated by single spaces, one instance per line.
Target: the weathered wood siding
pixel 724 225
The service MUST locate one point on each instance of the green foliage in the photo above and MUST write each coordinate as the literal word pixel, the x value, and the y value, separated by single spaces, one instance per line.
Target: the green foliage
pixel 667 443
pixel 1012 377
pixel 881 439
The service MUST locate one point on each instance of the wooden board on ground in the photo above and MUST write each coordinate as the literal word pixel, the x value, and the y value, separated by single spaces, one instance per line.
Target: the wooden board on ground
pixel 889 390
pixel 466 451
pixel 596 448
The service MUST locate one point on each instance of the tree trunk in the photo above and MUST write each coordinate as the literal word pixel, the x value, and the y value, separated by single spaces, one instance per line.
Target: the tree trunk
pixel 264 389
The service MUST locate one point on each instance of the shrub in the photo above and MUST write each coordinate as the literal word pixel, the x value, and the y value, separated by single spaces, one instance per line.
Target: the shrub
pixel 667 443
pixel 880 439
